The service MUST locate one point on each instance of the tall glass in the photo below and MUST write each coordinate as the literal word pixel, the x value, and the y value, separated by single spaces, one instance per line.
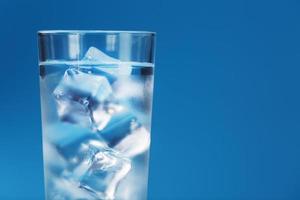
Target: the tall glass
pixel 96 99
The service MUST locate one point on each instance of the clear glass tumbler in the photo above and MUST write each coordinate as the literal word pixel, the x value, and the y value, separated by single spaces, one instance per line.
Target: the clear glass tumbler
pixel 96 98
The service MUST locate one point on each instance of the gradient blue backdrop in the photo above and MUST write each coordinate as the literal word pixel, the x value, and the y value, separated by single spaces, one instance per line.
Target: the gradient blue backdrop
pixel 226 107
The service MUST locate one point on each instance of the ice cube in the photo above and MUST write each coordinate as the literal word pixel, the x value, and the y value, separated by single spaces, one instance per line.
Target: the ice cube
pixel 82 86
pixel 66 189
pixel 110 73
pixel 73 112
pixel 92 167
pixel 135 93
pixel 79 94
pixel 137 142
pixel 115 66
pixel 87 151
pixel 107 169
pixel 125 134
pixel 94 54
pixel 118 127
pixel 51 154
pixel 68 140
pixel 104 112
pixel 128 87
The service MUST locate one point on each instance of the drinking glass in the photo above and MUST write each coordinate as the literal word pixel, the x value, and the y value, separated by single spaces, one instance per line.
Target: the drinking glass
pixel 96 99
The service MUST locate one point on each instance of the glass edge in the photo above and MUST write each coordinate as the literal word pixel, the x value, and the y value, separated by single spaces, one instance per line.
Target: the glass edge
pixel 65 32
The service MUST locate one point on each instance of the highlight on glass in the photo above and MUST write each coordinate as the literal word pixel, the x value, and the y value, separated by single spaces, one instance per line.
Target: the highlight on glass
pixel 96 99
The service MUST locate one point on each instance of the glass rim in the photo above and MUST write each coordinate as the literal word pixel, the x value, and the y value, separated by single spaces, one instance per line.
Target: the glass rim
pixel 66 32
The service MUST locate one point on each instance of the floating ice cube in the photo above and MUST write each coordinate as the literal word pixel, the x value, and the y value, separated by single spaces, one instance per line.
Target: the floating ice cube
pixel 110 73
pixel 115 66
pixel 105 172
pixel 79 94
pixel 80 85
pixel 94 54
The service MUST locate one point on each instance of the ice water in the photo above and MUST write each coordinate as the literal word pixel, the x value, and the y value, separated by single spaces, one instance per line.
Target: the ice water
pixel 96 128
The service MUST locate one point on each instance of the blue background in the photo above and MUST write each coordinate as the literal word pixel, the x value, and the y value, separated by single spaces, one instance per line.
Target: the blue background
pixel 226 107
